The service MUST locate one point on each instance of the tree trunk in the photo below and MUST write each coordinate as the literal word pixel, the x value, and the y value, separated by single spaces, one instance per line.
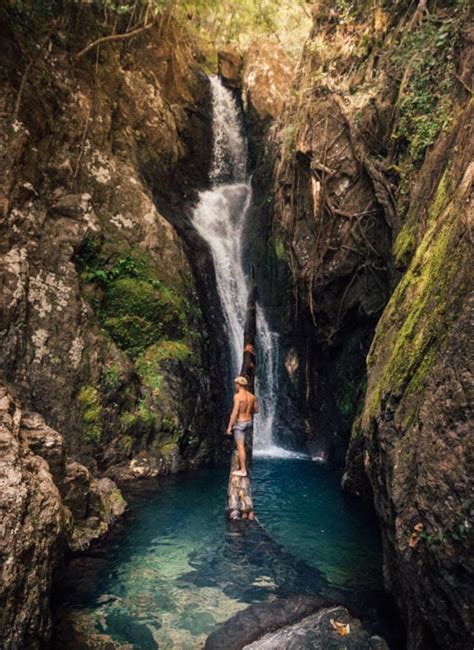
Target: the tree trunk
pixel 239 489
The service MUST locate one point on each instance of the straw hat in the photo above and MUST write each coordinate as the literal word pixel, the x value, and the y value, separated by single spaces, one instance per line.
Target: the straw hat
pixel 241 380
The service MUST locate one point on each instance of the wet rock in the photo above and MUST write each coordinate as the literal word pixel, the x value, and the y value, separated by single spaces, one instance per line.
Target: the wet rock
pixel 294 622
pixel 229 63
pixel 418 413
pixel 253 622
pixel 317 631
pixel 93 505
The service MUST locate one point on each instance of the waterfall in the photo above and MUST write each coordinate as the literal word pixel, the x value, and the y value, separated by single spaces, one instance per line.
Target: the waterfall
pixel 219 217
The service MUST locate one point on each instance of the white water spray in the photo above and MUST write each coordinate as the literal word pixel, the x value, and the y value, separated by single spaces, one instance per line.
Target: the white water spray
pixel 219 218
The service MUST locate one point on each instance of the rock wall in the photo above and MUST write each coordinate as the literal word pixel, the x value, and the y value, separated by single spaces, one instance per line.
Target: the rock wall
pixel 49 504
pixel 418 412
pixel 103 328
pixel 372 234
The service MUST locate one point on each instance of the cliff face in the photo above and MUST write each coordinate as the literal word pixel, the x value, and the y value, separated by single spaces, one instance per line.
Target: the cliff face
pixel 102 329
pixel 372 233
pixel 418 412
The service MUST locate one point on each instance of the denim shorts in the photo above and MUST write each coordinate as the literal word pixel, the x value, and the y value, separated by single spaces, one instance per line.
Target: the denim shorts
pixel 240 429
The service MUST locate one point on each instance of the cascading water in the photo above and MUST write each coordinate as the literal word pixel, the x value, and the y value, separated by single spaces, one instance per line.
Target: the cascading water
pixel 219 218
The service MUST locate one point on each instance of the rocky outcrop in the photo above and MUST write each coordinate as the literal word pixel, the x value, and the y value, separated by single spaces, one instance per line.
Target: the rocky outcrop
pixel 102 325
pixel 229 65
pixel 332 224
pixel 31 525
pixel 266 80
pixel 48 503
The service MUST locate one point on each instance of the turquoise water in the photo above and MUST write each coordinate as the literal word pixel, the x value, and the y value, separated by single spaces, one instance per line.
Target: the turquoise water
pixel 177 569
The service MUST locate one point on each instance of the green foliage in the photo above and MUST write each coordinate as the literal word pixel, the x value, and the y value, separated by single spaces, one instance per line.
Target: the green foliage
pixel 133 305
pixel 425 103
pixel 89 397
pixel 242 21
pixel 112 375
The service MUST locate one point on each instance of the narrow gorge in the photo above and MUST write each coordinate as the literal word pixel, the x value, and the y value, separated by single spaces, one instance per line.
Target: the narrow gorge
pixel 154 156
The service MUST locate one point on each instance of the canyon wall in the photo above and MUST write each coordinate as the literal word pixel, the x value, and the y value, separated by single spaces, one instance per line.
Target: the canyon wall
pixel 371 245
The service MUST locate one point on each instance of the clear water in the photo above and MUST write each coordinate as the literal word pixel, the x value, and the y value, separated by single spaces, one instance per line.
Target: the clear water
pixel 177 570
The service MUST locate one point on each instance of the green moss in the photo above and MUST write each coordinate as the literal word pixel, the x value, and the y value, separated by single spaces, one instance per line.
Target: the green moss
pixel 132 304
pixel 168 450
pixel 425 103
pixel 127 443
pixel 149 364
pixel 406 241
pixel 280 250
pixel 346 399
pixel 440 200
pixel 424 305
pixel 89 397
pixel 404 245
pixel 148 415
pixel 112 375
pixel 357 430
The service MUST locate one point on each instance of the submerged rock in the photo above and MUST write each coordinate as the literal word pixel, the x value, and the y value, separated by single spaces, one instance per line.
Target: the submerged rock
pixel 254 621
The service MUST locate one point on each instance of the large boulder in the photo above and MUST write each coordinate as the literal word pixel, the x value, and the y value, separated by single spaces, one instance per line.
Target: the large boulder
pixel 295 623
pixel 30 534
pixel 266 79
pixel 229 65
pixel 331 628
pixel 48 504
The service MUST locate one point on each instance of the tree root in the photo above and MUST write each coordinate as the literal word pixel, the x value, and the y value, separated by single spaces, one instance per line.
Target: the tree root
pixel 113 37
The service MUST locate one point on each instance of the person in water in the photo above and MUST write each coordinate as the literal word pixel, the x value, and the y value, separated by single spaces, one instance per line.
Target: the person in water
pixel 241 420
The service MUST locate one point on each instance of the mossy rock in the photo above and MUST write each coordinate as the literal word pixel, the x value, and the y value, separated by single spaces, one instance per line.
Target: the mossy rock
pixel 150 363
pixel 89 397
pixel 138 313
pixel 423 307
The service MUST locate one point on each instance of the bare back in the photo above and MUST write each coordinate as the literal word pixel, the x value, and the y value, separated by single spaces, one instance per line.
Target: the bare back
pixel 246 405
